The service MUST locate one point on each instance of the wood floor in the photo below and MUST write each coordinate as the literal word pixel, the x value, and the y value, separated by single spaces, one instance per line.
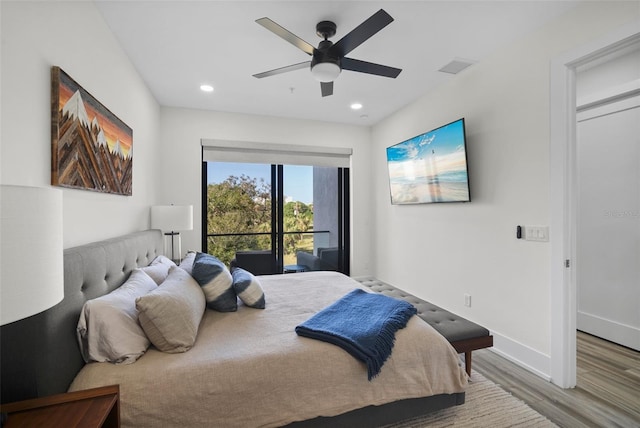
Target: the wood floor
pixel 607 392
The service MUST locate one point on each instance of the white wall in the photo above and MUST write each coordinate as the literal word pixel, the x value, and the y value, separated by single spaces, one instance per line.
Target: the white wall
pixel 35 36
pixel 440 252
pixel 183 129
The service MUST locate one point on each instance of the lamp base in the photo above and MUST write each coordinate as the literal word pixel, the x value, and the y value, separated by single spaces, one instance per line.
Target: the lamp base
pixel 172 245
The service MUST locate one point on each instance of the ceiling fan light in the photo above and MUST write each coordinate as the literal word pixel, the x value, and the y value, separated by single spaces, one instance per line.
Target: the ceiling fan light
pixel 325 71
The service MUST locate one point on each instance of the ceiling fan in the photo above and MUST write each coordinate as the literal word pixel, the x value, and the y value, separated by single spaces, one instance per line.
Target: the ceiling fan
pixel 329 58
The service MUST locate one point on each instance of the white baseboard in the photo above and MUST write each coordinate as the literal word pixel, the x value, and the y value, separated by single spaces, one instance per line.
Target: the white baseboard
pixel 524 356
pixel 613 331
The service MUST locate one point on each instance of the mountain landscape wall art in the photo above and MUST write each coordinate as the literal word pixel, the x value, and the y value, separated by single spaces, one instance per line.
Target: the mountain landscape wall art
pixel 91 148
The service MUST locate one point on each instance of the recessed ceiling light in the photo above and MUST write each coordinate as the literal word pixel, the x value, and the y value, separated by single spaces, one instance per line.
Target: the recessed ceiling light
pixel 356 106
pixel 206 88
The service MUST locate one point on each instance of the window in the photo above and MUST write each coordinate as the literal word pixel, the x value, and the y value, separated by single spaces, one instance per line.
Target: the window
pixel 274 218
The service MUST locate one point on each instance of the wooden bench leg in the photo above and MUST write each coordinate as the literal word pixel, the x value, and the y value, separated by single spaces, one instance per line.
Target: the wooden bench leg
pixel 467 362
pixel 468 345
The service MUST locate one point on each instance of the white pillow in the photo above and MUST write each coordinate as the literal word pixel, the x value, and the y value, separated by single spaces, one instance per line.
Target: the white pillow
pixel 170 315
pixel 162 260
pixel 187 262
pixel 108 329
pixel 157 272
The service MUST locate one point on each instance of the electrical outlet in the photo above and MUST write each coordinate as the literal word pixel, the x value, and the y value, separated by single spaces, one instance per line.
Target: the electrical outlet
pixel 467 300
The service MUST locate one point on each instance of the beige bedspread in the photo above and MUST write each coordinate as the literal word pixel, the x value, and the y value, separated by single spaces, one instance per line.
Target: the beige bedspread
pixel 249 368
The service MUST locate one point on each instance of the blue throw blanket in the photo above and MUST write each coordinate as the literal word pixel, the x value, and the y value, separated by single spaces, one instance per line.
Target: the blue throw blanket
pixel 363 324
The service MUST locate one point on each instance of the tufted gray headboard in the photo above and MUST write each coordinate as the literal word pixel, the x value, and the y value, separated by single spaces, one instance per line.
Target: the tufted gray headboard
pixel 39 355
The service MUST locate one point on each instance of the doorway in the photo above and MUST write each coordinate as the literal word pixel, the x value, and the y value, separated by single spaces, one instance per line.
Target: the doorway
pixel 563 197
pixel 608 238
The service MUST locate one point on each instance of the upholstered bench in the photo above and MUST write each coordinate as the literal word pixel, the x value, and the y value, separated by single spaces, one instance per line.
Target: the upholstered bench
pixel 464 335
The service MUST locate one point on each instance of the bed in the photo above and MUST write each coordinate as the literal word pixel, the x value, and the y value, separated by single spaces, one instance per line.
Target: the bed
pixel 246 368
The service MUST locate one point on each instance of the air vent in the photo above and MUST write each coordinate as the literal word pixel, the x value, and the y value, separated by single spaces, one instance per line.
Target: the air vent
pixel 456 66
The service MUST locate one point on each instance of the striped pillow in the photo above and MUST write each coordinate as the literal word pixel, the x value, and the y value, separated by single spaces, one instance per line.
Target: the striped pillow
pixel 216 282
pixel 248 288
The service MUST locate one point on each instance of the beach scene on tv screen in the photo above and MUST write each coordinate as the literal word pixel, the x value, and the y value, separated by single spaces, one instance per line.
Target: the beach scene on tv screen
pixel 431 167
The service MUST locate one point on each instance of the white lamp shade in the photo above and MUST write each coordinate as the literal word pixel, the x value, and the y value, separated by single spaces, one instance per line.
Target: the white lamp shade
pixel 325 71
pixel 172 217
pixel 31 253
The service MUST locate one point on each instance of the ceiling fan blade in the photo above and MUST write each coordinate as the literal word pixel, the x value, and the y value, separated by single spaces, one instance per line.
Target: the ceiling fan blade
pixel 326 88
pixel 281 70
pixel 362 32
pixel 286 34
pixel 370 68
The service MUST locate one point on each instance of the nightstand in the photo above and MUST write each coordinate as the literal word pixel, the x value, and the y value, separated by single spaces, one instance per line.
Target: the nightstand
pixel 98 407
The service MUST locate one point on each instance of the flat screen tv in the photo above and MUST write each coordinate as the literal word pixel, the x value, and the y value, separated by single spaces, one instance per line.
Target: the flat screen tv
pixel 431 167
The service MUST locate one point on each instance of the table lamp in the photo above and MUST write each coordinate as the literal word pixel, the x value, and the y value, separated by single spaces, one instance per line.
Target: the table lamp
pixel 171 219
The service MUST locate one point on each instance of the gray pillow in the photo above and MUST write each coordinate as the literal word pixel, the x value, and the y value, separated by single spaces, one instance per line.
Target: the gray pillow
pixel 108 328
pixel 216 282
pixel 170 315
pixel 248 288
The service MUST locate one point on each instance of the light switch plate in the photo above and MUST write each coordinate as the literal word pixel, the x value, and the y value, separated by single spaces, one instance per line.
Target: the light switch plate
pixel 536 233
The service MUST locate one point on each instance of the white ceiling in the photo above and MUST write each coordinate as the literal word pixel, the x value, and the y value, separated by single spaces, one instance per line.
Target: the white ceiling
pixel 178 45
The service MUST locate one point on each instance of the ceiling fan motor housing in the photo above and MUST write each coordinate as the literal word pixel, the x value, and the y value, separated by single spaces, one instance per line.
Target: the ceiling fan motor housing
pixel 325 67
pixel 322 54
pixel 326 29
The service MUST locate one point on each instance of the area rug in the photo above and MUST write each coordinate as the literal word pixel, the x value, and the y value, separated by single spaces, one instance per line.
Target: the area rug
pixel 486 405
